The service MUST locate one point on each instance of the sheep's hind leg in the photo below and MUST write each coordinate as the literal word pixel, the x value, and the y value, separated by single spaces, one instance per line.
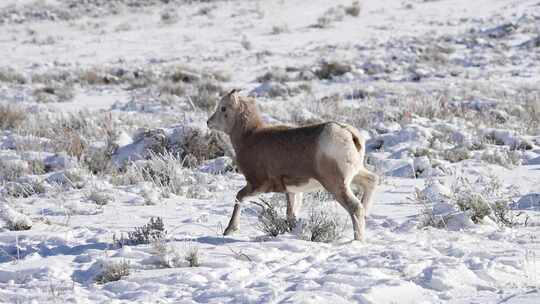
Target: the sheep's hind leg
pixel 294 203
pixel 356 210
pixel 367 181
pixel 352 205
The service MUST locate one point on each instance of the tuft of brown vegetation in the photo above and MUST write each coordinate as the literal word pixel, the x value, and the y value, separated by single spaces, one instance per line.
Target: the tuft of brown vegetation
pixel 11 117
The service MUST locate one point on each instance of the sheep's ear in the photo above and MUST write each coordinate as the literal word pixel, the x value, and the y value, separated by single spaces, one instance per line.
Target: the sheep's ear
pixel 234 96
pixel 234 99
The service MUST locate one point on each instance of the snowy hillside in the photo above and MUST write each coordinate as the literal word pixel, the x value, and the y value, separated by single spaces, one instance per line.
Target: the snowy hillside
pixel 113 189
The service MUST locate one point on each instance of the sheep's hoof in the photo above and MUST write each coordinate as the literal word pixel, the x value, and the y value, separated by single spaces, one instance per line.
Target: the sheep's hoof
pixel 230 230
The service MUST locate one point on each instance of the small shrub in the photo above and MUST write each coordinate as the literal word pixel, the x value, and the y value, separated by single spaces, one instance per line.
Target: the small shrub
pixel 24 189
pixel 354 9
pixel 99 197
pixel 75 178
pixel 146 234
pixel 302 88
pixel 429 219
pixel 505 158
pixel 10 75
pixel 332 68
pixel 487 198
pixel 206 11
pixel 113 272
pixel 322 226
pixel 169 87
pixel 475 204
pixel 246 44
pixel 274 74
pixel 13 219
pixel 169 16
pixel 505 216
pixel 54 93
pixel 333 14
pixel 11 117
pixel 456 154
pixel 271 220
pixel 18 226
pixel 279 29
pixel 98 161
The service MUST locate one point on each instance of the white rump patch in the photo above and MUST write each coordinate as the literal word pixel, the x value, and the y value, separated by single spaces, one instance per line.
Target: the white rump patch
pixel 336 143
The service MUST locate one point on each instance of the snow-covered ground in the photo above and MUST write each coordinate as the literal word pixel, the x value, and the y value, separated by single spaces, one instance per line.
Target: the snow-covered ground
pixel 448 91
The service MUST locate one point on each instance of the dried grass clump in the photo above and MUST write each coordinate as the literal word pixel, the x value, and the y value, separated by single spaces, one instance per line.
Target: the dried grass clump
pixel 332 108
pixel 12 170
pixel 37 167
pixel 11 117
pixel 200 147
pixel 206 94
pixel 72 142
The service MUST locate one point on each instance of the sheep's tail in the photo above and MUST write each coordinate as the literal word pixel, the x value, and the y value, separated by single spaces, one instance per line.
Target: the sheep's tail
pixel 358 140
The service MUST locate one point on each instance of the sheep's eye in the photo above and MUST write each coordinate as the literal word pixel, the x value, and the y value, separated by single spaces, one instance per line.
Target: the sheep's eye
pixel 223 109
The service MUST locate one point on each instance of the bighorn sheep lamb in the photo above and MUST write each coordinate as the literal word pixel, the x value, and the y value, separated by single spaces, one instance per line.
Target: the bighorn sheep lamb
pixel 295 160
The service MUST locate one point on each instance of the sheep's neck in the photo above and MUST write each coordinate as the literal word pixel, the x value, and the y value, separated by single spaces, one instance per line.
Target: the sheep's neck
pixel 243 128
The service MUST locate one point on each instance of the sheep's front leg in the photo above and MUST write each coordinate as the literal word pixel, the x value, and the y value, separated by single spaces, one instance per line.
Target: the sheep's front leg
pixel 235 217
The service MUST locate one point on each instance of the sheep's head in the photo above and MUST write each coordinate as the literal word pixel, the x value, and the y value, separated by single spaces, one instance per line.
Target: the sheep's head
pixel 224 116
